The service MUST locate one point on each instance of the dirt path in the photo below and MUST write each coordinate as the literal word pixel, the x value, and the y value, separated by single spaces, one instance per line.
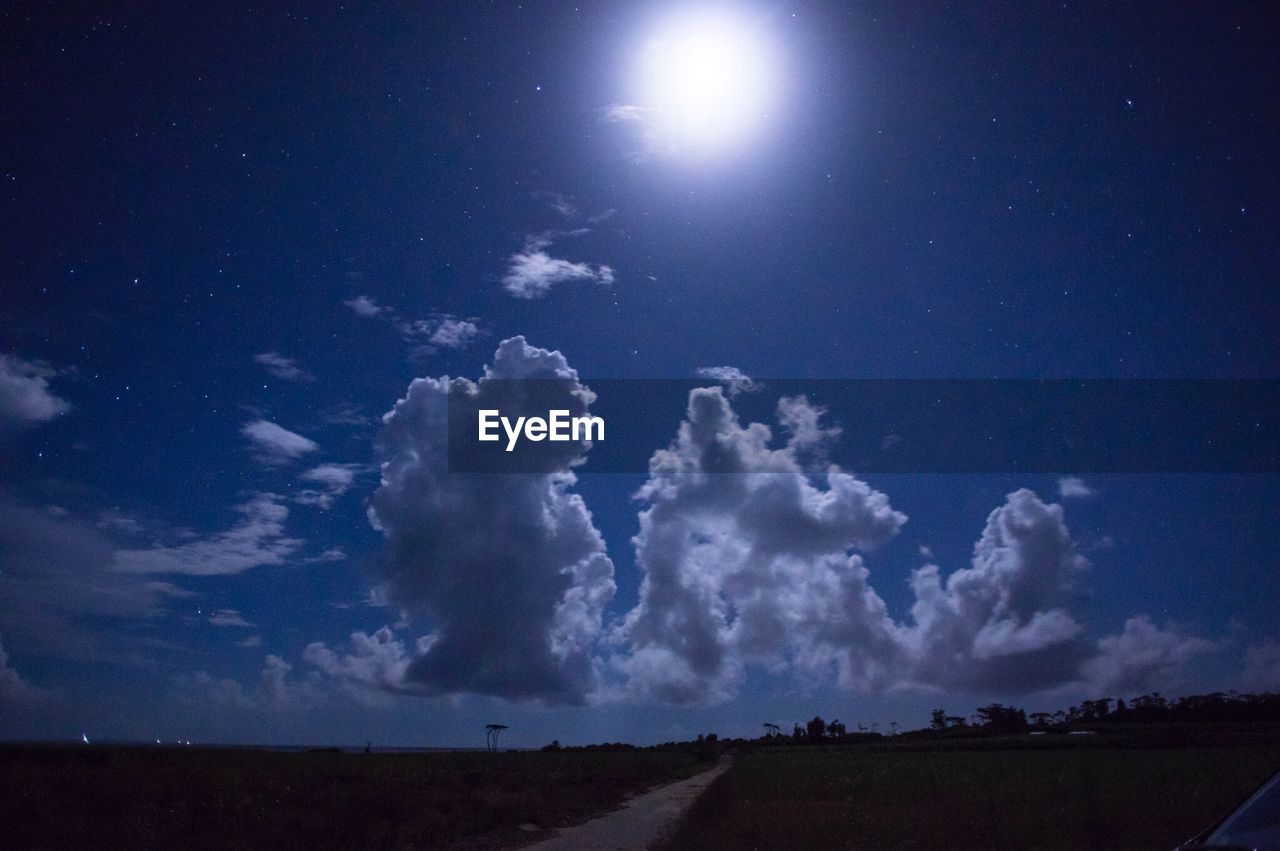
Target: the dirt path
pixel 636 824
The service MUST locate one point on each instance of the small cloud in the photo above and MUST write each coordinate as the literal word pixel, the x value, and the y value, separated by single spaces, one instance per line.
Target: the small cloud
pixel 328 556
pixel 334 480
pixel 651 143
pixel 375 666
pixel 1105 542
pixel 364 306
pixel 926 553
pixel 532 272
pixel 228 617
pixel 118 522
pixel 345 413
pixel 286 369
pixel 453 333
pixel 250 642
pixel 804 423
pixel 891 442
pixel 734 379
pixel 562 204
pixel 25 397
pixel 1071 487
pixel 275 445
pixel 626 113
pixel 438 331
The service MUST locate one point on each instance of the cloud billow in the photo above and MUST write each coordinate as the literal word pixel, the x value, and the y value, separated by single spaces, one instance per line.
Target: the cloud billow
pixel 751 557
pixel 751 549
pixel 509 569
pixel 740 553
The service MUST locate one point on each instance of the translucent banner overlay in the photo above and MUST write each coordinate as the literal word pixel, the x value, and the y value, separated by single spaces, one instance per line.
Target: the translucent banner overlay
pixel 892 426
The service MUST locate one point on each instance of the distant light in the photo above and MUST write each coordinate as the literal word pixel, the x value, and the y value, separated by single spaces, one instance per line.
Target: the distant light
pixel 707 79
pixel 84 737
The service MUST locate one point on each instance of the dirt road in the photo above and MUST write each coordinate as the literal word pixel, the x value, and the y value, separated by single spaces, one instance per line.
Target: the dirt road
pixel 636 824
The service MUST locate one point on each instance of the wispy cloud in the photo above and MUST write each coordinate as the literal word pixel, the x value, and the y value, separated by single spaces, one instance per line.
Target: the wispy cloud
pixel 345 413
pixel 228 617
pixel 277 690
pixel 257 539
pixel 561 203
pixel 437 331
pixel 60 590
pixel 274 445
pixel 25 396
pixel 648 141
pixel 286 369
pixel 14 690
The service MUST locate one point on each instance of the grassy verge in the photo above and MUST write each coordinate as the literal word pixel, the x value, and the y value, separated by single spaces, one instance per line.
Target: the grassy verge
pixel 230 798
pixel 1068 798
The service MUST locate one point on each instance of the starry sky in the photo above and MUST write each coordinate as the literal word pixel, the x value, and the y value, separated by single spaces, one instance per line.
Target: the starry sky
pixel 234 236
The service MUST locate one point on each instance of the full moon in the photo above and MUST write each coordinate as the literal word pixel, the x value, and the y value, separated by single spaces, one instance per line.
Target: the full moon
pixel 706 80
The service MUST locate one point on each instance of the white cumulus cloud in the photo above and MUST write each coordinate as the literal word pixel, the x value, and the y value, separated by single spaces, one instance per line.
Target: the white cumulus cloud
pixel 747 560
pixel 508 569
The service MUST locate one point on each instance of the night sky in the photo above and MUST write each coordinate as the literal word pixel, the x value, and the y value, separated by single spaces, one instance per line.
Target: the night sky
pixel 235 234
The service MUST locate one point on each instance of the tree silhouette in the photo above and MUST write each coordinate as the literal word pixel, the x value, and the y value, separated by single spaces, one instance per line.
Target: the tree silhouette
pixel 491 732
pixel 816 729
pixel 938 719
pixel 771 729
pixel 1041 719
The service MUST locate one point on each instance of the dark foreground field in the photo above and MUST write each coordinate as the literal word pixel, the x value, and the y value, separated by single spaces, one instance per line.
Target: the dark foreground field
pixel 1088 797
pixel 82 797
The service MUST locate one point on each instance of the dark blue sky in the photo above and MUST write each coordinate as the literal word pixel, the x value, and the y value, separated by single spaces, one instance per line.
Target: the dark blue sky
pixel 234 235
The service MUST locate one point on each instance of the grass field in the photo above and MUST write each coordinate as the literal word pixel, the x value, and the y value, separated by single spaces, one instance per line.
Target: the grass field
pixel 1051 798
pixel 85 797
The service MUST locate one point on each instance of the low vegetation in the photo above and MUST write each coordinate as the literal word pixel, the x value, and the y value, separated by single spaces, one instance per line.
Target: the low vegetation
pixel 1053 792
pixel 140 797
